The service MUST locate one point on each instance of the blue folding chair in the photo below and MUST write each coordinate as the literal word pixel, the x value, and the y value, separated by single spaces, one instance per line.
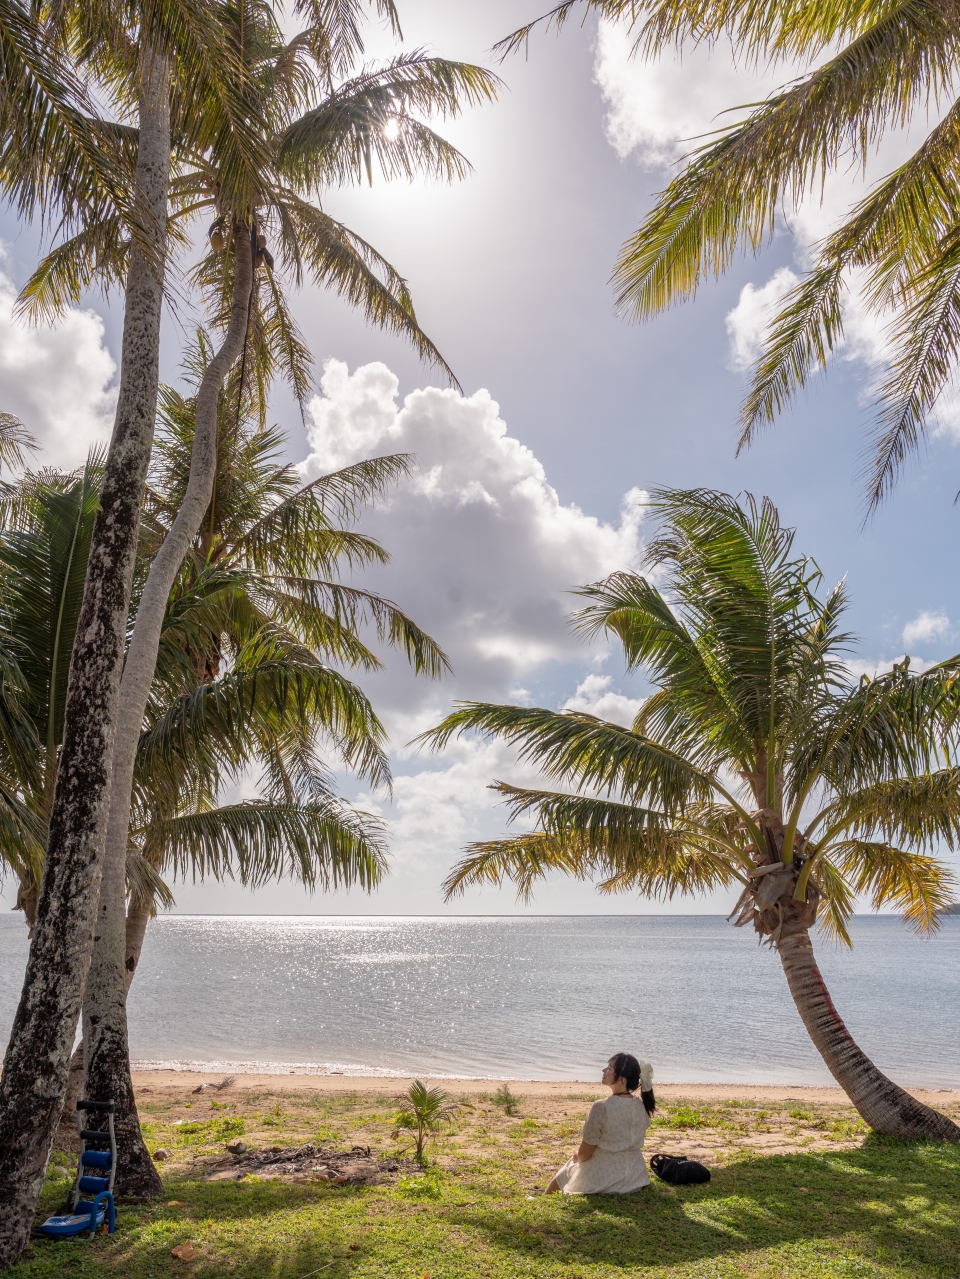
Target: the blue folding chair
pixel 89 1214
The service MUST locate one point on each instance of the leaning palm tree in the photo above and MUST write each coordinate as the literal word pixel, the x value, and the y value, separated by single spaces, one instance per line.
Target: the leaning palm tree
pixel 884 67
pixel 756 762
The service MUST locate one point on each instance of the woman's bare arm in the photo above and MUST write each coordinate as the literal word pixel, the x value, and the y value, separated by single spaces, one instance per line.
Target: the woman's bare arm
pixel 585 1152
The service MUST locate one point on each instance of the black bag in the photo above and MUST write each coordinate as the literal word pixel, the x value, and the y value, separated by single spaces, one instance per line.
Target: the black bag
pixel 679 1170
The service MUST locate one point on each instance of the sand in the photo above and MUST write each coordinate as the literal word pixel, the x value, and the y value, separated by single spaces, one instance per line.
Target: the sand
pixel 184 1081
pixel 711 1122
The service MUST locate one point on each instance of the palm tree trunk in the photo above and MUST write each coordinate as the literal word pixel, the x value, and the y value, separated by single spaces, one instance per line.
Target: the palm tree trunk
pixel 27 897
pixel 67 1137
pixel 104 1002
pixel 886 1107
pixel 38 1055
pixel 138 916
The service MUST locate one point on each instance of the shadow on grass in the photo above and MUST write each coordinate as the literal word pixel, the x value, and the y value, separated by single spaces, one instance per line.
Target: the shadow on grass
pixel 897 1203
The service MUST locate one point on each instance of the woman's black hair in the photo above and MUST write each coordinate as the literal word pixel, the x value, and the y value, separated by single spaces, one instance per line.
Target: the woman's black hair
pixel 626 1067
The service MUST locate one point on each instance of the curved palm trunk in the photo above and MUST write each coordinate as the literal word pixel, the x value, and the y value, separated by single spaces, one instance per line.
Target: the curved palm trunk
pixel 104 1004
pixel 886 1107
pixel 38 1055
pixel 138 916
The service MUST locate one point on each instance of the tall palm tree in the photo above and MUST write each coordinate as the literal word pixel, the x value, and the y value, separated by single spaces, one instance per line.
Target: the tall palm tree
pixel 757 761
pixel 302 146
pixel 882 68
pixel 45 151
pixel 158 56
pixel 258 612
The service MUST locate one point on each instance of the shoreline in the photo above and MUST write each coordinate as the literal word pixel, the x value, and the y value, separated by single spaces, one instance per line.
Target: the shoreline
pixel 173 1080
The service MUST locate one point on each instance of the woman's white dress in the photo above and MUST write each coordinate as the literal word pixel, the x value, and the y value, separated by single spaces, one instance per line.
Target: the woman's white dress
pixel 617 1128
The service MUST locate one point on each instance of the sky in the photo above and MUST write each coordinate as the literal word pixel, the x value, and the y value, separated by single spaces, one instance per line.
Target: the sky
pixel 531 482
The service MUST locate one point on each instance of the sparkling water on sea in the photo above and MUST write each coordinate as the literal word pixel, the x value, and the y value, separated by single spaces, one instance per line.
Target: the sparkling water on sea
pixel 543 997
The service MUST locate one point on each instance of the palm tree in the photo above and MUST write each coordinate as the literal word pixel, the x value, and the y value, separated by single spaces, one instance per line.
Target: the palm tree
pixel 274 703
pixel 246 674
pixel 43 560
pixel 299 151
pixel 424 1111
pixel 883 67
pixel 48 148
pixel 757 761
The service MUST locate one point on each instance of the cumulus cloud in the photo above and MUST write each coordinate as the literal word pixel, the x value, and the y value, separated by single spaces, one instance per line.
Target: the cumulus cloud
pixel 595 696
pixel 926 628
pixel 57 380
pixel 749 320
pixel 485 553
pixel 659 109
pixel 484 556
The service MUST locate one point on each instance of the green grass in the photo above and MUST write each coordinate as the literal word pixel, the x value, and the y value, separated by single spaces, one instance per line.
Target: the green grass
pixel 886 1210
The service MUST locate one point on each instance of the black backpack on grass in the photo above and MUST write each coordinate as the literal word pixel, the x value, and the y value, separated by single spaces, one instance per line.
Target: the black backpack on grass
pixel 679 1170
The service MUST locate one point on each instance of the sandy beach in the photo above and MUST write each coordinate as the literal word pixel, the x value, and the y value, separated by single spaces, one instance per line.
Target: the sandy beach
pixel 181 1082
pixel 711 1122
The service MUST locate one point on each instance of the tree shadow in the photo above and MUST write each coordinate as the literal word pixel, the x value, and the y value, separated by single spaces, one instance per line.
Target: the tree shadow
pixel 898 1201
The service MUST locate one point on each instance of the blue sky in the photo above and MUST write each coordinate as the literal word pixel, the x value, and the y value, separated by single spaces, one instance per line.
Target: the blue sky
pixel 521 492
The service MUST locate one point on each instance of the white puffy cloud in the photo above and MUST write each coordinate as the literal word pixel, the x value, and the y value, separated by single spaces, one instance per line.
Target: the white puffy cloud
pixel 594 696
pixel 660 108
pixel 485 554
pixel 58 380
pixel 747 323
pixel 926 627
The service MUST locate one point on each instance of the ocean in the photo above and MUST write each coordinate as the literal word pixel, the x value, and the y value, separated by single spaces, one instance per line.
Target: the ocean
pixel 535 997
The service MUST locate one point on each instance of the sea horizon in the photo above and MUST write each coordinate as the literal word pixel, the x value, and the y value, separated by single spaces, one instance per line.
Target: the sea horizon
pixel 542 997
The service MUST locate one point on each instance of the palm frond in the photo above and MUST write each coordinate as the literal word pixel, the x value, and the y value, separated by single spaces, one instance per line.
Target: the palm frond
pixel 919 886
pixel 327 845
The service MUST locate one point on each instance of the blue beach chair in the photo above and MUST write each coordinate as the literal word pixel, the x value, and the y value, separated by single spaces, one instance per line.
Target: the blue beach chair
pixel 89 1214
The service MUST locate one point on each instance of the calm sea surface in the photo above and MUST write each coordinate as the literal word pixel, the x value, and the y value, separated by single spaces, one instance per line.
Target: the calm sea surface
pixel 537 998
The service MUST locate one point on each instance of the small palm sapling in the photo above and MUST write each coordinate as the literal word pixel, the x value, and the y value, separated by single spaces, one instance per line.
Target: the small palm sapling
pixel 424 1111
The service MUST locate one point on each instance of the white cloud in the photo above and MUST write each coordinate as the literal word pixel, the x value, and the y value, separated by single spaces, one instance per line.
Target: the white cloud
pixel 660 109
pixel 926 627
pixel 594 696
pixel 484 552
pixel 748 321
pixel 484 556
pixel 874 666
pixel 57 380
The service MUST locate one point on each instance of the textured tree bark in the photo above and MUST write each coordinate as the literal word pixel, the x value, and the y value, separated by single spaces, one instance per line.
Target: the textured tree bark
pixel 107 1055
pixel 886 1107
pixel 38 1055
pixel 67 1138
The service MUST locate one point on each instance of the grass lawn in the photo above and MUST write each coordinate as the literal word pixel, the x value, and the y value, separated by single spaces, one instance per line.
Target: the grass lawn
pixel 835 1206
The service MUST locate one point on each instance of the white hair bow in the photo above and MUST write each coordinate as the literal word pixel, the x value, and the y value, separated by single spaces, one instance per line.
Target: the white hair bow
pixel 646 1076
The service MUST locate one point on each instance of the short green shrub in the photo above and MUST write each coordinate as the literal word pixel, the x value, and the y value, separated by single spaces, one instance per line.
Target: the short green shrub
pixel 232 1127
pixel 684 1117
pixel 505 1098
pixel 425 1186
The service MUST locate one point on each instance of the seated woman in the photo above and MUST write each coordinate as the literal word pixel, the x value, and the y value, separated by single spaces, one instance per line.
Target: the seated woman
pixel 610 1159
